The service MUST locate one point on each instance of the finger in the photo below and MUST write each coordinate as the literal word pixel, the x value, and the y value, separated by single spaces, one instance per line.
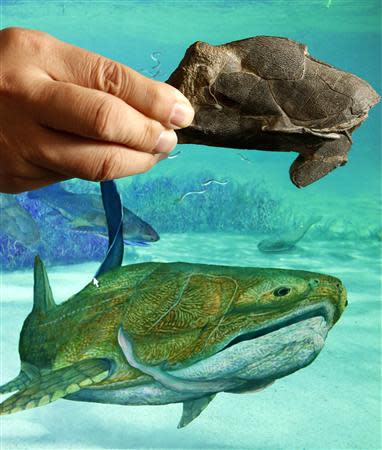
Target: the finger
pixel 73 156
pixel 19 170
pixel 152 98
pixel 37 177
pixel 16 185
pixel 98 115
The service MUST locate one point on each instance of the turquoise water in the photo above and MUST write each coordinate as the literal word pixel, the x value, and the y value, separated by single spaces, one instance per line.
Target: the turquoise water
pixel 335 403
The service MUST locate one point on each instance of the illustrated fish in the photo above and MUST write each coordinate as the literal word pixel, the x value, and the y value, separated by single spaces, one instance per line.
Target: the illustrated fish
pixel 213 181
pixel 158 333
pixel 174 155
pixel 155 57
pixel 244 158
pixel 85 214
pixel 155 69
pixel 188 194
pixel 286 241
pixel 17 223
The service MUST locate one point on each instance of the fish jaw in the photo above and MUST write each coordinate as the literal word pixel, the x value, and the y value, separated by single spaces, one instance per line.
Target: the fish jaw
pixel 136 229
pixel 270 356
pixel 268 338
pixel 249 363
pixel 145 236
pixel 279 348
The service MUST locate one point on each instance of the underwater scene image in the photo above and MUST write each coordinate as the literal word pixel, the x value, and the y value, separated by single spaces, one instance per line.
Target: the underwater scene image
pixel 228 298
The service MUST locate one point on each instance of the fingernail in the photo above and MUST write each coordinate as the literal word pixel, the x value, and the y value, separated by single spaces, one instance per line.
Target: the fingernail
pixel 182 115
pixel 166 142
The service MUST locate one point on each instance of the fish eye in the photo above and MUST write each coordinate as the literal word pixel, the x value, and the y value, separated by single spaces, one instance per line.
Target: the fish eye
pixel 281 291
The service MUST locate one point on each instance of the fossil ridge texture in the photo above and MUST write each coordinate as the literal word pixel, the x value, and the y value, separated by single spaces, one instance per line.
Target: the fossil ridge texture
pixel 268 93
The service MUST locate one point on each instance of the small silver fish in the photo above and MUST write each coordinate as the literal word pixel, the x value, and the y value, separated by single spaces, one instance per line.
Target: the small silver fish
pixel 187 194
pixel 155 57
pixel 244 158
pixel 174 155
pixel 155 69
pixel 212 181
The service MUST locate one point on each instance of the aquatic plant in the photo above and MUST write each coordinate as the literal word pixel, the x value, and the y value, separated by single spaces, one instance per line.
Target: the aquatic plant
pixel 59 243
pixel 234 207
pixel 251 207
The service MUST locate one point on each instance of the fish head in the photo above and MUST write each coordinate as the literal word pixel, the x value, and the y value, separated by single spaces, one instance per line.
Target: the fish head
pixel 272 294
pixel 276 324
pixel 137 230
pixel 148 234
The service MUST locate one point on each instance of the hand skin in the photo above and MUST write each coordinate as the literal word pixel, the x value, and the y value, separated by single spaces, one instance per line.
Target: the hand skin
pixel 66 112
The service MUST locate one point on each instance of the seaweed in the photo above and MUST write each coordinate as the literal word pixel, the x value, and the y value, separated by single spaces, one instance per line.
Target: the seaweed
pixel 247 208
pixel 234 207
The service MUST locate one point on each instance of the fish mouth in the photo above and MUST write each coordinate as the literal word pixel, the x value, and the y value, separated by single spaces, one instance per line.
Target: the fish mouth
pixel 323 309
pixel 152 236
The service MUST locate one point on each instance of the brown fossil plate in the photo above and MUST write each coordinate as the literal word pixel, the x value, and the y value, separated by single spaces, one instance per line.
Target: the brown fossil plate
pixel 268 93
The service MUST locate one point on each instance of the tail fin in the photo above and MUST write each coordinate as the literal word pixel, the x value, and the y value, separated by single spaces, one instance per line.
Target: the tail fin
pixel 308 225
pixel 42 295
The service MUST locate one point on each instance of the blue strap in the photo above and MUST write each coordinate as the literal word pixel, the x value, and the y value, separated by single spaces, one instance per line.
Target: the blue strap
pixel 114 216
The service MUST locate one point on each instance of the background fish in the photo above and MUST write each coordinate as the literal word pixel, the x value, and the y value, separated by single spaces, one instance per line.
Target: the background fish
pixel 17 223
pixel 286 241
pixel 85 214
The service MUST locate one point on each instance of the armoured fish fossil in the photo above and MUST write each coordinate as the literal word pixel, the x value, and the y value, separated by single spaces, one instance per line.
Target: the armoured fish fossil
pixel 268 93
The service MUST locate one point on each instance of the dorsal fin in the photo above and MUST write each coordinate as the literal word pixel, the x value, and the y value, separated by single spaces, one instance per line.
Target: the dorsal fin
pixel 114 216
pixel 42 294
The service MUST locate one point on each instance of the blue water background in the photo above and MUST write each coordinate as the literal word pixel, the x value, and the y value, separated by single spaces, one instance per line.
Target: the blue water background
pixel 333 404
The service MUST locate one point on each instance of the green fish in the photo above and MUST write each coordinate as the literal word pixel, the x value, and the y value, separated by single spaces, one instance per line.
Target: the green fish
pixel 158 333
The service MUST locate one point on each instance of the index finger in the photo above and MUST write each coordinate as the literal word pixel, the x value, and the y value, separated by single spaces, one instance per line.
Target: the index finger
pixel 154 99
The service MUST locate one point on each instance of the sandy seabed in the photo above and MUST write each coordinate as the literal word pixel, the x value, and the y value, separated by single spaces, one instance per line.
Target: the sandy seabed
pixel 335 403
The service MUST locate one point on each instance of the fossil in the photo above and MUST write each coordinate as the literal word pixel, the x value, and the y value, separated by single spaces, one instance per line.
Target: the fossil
pixel 268 93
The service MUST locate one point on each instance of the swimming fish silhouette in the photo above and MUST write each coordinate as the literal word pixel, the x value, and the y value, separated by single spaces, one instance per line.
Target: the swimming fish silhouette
pixel 17 223
pixel 286 241
pixel 85 214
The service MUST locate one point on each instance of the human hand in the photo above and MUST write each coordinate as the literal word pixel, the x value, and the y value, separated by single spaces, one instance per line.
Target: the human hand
pixel 66 112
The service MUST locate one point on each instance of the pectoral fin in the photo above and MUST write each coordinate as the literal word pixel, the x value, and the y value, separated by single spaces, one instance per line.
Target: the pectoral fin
pixel 14 385
pixel 193 408
pixel 27 374
pixel 165 378
pixel 53 385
